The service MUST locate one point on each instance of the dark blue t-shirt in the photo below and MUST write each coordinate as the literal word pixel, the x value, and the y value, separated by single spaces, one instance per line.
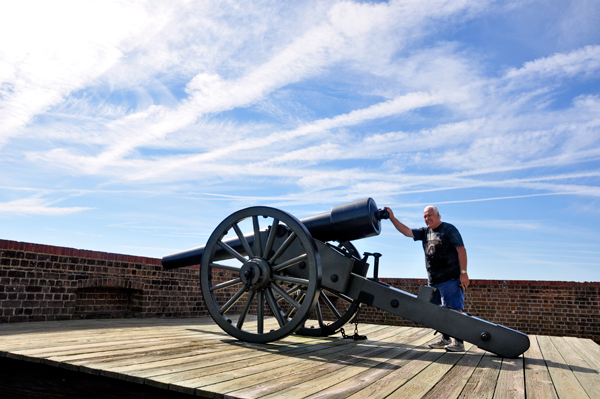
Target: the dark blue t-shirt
pixel 441 256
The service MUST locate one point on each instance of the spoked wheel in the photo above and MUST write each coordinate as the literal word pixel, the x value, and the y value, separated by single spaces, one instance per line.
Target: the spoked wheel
pixel 337 308
pixel 251 274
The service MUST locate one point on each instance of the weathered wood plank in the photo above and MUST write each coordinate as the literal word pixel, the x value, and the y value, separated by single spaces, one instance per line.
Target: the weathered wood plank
pixel 482 383
pixel 341 381
pixel 186 368
pixel 566 384
pixel 38 338
pixel 420 358
pixel 205 345
pixel 225 369
pixel 511 380
pixel 191 380
pixel 429 377
pixel 586 374
pixel 455 380
pixel 73 352
pixel 153 370
pixel 538 383
pixel 297 372
pixel 286 382
pixel 588 348
pixel 271 357
pixel 397 357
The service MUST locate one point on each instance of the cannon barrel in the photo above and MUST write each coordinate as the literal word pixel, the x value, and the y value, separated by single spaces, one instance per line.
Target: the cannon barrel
pixel 345 222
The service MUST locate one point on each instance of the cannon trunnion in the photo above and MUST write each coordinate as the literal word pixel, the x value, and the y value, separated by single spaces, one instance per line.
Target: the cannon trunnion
pixel 263 261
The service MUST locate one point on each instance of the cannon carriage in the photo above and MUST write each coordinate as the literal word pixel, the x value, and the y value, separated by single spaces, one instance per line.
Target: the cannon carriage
pixel 274 265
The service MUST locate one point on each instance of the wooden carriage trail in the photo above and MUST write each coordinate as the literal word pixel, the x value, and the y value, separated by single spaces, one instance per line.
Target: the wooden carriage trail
pixel 194 356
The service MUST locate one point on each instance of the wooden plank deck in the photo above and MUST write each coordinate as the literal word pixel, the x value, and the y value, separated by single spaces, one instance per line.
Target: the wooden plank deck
pixel 194 356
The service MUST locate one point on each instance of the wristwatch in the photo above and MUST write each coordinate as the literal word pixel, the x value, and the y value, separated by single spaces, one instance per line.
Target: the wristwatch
pixel 463 272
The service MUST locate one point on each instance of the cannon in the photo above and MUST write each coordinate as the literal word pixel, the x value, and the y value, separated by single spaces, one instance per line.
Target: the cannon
pixel 264 261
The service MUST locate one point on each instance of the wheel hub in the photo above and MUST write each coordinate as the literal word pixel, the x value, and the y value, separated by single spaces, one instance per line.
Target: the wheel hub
pixel 255 273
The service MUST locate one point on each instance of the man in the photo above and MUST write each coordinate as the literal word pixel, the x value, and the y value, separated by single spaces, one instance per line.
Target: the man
pixel 446 262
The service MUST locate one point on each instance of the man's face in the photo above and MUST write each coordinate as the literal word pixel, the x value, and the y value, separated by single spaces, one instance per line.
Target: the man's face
pixel 432 219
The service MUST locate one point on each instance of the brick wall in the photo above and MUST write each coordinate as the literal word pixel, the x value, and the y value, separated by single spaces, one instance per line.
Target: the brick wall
pixel 42 282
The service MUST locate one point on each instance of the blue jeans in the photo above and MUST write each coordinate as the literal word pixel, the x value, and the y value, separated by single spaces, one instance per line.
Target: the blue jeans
pixel 449 294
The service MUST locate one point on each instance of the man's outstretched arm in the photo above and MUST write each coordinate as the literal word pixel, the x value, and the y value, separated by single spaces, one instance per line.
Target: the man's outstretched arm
pixel 405 230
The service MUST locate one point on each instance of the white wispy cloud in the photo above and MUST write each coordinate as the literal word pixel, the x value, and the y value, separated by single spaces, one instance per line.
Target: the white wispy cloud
pixel 37 206
pixel 584 61
pixel 342 32
pixel 56 49
pixel 333 37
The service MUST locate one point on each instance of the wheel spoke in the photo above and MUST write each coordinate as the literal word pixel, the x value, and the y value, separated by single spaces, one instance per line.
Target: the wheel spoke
pixel 272 235
pixel 232 251
pixel 246 309
pixel 329 304
pixel 225 284
pixel 342 296
pixel 342 314
pixel 293 289
pixel 282 248
pixel 232 300
pixel 291 309
pixel 224 267
pixel 257 242
pixel 291 262
pixel 292 280
pixel 260 316
pixel 273 306
pixel 319 315
pixel 285 296
pixel 243 240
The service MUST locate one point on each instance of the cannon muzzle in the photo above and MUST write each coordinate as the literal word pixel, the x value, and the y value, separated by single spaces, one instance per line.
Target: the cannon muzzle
pixel 345 222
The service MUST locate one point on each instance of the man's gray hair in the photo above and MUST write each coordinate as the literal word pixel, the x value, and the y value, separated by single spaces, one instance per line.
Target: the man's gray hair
pixel 434 209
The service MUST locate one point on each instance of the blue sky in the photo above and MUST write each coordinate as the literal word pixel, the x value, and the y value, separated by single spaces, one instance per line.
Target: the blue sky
pixel 137 127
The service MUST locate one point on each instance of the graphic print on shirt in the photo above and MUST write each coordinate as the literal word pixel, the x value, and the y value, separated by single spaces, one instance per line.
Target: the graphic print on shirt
pixel 432 241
